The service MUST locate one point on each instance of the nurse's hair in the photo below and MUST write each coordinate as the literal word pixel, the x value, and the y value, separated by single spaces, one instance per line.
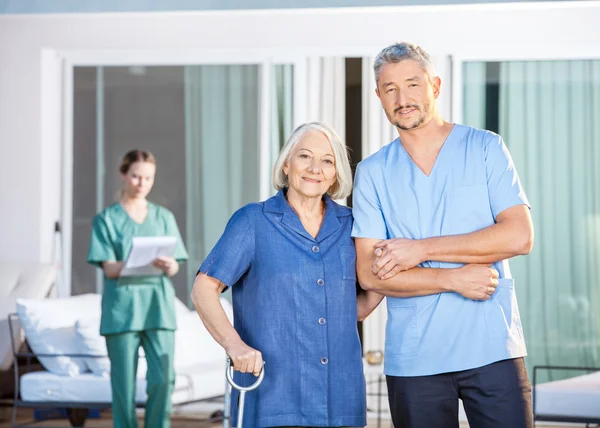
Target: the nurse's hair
pixel 134 156
pixel 343 183
pixel 397 52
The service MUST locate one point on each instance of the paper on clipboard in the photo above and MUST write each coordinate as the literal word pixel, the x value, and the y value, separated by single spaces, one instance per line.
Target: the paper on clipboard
pixel 144 250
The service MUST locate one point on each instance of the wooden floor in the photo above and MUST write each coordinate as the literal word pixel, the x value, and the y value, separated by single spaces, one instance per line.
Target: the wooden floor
pixel 199 420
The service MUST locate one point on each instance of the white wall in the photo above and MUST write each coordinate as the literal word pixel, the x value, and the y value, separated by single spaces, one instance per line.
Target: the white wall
pixel 29 154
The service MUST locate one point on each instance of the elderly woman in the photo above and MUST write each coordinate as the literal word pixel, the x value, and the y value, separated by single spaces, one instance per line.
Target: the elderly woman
pixel 291 264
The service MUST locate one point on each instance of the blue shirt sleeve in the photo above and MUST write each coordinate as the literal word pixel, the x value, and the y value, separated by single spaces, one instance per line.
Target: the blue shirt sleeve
pixel 366 209
pixel 503 182
pixel 232 256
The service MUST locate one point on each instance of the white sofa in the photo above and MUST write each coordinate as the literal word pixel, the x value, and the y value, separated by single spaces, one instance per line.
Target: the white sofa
pixel 20 280
pixel 71 326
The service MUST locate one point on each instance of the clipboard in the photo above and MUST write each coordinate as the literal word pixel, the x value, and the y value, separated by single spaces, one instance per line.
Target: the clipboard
pixel 144 250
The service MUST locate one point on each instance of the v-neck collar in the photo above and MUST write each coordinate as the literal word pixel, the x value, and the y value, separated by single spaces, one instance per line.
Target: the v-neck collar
pixel 441 152
pixel 131 218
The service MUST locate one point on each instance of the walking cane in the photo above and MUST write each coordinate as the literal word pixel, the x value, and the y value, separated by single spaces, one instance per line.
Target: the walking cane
pixel 242 389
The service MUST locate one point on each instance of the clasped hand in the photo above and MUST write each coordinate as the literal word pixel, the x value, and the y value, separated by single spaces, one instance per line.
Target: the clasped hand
pixel 167 264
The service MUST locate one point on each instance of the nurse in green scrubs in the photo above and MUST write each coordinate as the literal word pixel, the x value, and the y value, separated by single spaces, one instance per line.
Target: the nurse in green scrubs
pixel 137 311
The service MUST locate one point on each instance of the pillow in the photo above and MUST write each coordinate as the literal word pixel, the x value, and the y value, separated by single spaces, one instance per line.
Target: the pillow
pixel 193 343
pixel 90 342
pixel 49 326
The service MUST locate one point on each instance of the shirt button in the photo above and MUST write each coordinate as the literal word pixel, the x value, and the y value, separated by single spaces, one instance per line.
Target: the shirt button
pixel 315 249
pixel 322 321
pixel 320 282
pixel 324 360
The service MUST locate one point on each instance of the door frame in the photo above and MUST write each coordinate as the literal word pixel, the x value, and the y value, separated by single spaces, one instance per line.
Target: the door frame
pixel 63 134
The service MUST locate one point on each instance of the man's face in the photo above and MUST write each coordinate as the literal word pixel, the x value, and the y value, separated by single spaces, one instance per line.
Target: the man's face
pixel 407 93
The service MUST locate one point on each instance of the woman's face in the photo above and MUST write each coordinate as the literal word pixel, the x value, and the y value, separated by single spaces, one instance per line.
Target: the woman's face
pixel 139 179
pixel 311 166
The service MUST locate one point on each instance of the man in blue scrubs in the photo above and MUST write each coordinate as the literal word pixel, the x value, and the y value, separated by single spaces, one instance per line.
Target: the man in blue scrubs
pixel 438 212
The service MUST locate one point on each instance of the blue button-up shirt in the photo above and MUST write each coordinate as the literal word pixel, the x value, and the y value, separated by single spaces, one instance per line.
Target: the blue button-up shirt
pixel 473 180
pixel 294 299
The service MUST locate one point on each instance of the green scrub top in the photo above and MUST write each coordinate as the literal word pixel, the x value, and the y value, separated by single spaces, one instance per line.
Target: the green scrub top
pixel 134 303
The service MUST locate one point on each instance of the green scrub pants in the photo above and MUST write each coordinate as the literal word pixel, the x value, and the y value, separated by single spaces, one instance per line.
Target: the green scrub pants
pixel 159 346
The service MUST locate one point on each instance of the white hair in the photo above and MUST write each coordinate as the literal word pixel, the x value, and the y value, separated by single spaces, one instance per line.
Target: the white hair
pixel 343 183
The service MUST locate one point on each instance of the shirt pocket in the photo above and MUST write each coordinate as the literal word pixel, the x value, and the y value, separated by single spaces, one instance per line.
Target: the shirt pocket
pixel 501 309
pixel 467 210
pixel 348 260
pixel 401 330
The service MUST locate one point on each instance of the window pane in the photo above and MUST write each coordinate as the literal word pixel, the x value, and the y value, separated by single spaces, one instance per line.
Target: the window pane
pixel 201 122
pixel 546 111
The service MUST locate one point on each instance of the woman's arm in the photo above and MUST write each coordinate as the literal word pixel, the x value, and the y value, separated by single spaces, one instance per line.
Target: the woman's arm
pixel 205 297
pixel 112 269
pixel 367 302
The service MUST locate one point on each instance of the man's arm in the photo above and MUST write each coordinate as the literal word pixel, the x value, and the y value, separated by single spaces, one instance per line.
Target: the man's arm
pixel 510 236
pixel 476 282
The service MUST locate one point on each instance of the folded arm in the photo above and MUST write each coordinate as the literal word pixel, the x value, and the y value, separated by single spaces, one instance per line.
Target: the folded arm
pixel 473 281
pixel 510 236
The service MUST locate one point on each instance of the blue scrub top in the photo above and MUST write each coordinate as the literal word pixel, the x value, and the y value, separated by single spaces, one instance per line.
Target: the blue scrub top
pixel 472 181
pixel 294 299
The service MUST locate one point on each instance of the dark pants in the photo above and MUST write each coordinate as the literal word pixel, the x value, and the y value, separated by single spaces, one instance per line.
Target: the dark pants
pixel 494 396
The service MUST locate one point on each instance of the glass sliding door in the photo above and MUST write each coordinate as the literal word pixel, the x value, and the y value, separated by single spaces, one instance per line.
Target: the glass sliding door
pixel 547 112
pixel 202 122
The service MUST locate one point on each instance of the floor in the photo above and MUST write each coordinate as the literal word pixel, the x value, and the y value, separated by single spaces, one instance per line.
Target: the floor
pixel 188 421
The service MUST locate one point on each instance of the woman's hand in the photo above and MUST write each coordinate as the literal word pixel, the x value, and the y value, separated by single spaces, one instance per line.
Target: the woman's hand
pixel 244 358
pixel 167 264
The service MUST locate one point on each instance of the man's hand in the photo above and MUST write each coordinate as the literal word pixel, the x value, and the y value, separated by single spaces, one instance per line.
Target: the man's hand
pixel 475 282
pixel 244 358
pixel 393 256
pixel 167 264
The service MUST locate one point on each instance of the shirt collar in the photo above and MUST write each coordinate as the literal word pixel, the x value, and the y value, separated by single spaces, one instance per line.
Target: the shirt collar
pixel 278 204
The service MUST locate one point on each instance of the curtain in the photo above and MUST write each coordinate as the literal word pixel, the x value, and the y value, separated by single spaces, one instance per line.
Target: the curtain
pixel 282 111
pixel 222 148
pixel 377 131
pixel 326 92
pixel 547 114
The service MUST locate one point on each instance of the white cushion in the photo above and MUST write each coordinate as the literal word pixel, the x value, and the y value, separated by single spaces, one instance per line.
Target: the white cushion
pixel 49 326
pixel 20 280
pixel 193 343
pixel 90 342
pixel 191 383
pixel 578 396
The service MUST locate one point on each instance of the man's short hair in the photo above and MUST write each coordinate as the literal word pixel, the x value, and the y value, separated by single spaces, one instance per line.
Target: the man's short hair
pixel 400 52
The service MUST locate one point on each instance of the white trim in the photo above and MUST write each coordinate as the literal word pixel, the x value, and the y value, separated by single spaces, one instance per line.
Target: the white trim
pixel 300 78
pixel 578 52
pixel 67 175
pixel 348 11
pixel 182 57
pixel 73 59
pixel 100 161
pixel 456 90
pixel 50 160
pixel 264 155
